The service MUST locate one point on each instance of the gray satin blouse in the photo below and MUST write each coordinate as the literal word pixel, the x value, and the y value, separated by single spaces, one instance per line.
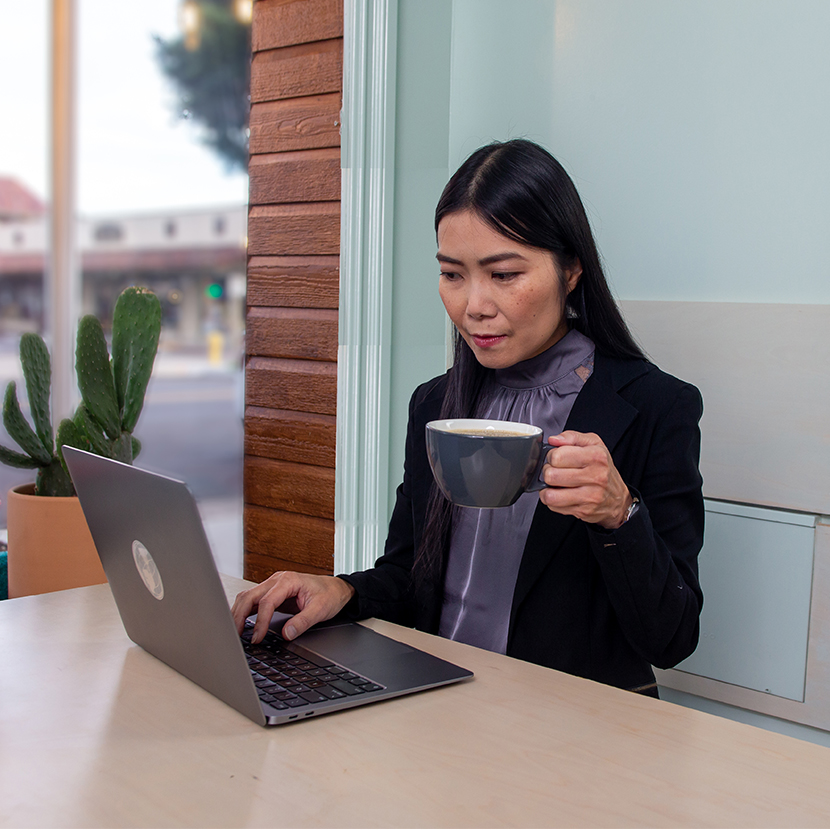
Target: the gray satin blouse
pixel 487 545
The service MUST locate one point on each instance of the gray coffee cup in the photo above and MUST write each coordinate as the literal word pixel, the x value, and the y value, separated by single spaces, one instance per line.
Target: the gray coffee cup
pixel 482 463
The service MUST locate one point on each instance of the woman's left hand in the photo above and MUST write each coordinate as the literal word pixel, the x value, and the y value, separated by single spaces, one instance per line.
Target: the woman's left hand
pixel 583 480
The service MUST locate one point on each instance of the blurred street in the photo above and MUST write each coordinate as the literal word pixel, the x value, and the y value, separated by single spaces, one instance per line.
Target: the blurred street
pixel 190 429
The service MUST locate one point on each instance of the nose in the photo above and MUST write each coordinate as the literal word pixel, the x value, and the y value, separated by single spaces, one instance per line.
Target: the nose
pixel 479 300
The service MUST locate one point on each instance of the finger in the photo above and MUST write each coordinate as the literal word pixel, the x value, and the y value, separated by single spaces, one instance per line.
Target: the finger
pixel 570 477
pixel 311 614
pixel 321 598
pixel 246 602
pixel 568 457
pixel 573 438
pixel 269 596
pixel 564 502
pixel 579 458
pixel 603 500
pixel 567 497
pixel 240 611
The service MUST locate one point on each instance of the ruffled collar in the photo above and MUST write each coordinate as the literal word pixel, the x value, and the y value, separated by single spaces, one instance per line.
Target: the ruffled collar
pixel 557 366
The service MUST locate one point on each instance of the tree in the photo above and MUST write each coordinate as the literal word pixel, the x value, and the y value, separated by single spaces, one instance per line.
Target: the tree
pixel 210 69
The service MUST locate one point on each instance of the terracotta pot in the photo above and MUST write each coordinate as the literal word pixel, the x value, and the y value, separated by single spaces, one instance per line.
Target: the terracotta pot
pixel 50 546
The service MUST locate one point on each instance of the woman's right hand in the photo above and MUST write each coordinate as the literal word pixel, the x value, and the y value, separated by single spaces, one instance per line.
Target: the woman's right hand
pixel 311 598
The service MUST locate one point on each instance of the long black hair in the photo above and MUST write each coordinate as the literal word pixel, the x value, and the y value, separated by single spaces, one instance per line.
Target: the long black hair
pixel 524 193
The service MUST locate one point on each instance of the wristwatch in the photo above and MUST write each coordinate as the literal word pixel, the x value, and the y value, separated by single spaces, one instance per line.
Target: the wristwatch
pixel 632 509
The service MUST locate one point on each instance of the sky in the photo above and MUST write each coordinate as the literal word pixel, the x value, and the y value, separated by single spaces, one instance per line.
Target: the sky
pixel 134 154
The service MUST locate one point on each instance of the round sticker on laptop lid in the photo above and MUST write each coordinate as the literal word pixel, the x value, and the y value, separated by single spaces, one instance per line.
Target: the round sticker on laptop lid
pixel 147 570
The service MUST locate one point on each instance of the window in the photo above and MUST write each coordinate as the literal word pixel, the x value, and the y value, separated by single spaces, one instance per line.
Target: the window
pixel 108 232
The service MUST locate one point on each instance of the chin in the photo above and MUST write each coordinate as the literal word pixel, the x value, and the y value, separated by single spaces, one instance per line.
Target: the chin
pixel 493 361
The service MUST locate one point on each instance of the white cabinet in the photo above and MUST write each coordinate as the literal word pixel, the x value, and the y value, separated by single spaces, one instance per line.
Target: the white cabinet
pixel 756 572
pixel 765 624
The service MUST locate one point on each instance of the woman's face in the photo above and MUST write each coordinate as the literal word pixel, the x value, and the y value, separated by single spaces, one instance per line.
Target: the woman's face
pixel 506 299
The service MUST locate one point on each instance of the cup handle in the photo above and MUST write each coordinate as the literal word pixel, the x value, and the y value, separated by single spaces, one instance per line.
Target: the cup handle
pixel 535 484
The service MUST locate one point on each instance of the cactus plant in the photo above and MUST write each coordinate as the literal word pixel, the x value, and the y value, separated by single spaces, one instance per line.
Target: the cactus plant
pixel 38 444
pixel 112 393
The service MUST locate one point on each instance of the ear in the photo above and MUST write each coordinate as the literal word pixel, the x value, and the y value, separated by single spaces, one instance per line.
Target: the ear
pixel 573 274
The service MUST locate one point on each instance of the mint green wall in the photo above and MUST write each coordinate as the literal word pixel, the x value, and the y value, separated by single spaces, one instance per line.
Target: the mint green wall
pixel 502 80
pixel 455 91
pixel 421 170
pixel 695 130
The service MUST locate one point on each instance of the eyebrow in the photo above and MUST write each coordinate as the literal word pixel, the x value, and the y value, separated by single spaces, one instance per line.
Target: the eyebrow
pixel 488 260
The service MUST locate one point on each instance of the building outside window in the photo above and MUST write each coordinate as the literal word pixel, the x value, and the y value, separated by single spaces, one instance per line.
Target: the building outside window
pixel 156 205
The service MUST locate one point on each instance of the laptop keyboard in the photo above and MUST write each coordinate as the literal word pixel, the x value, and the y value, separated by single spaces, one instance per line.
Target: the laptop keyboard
pixel 286 680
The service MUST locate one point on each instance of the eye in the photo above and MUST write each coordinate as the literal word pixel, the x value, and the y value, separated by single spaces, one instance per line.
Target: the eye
pixel 505 276
pixel 452 276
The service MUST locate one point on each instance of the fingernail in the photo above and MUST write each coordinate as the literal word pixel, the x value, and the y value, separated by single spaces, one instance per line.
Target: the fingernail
pixel 290 632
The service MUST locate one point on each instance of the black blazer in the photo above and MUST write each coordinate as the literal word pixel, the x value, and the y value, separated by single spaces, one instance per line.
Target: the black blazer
pixel 603 605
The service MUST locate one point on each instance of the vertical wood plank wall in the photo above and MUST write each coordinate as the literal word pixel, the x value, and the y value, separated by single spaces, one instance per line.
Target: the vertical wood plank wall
pixel 293 272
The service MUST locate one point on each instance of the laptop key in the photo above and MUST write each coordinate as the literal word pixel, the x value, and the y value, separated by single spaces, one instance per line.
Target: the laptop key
pixel 275 676
pixel 285 696
pixel 312 696
pixel 314 659
pixel 330 693
pixel 346 687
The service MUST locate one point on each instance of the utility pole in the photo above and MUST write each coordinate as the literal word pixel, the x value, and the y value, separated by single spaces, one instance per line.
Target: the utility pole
pixel 62 276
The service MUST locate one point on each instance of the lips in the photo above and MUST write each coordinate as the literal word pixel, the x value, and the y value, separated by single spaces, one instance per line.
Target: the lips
pixel 485 341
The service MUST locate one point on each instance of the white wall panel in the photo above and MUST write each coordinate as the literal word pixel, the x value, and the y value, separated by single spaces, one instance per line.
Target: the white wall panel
pixel 756 573
pixel 762 369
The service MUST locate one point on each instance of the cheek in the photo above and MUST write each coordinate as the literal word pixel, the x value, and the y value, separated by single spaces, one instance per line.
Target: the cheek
pixel 540 308
pixel 535 305
pixel 450 299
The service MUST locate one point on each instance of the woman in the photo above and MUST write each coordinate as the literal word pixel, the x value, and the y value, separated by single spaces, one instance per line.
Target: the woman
pixel 597 574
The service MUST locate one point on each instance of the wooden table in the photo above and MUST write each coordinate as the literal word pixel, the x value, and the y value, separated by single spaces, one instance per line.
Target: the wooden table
pixel 96 733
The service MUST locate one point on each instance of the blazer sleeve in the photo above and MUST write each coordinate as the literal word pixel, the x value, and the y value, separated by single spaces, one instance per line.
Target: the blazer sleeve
pixel 386 590
pixel 649 565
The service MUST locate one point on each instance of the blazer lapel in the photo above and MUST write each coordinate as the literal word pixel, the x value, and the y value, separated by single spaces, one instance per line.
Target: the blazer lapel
pixel 600 409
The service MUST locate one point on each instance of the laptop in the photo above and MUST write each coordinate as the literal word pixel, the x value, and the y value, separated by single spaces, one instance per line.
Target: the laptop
pixel 163 577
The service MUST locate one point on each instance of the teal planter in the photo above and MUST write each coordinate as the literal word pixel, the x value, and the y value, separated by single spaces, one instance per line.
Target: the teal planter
pixel 4 575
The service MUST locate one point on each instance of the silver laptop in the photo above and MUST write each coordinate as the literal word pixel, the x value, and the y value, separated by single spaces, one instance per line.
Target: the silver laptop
pixel 159 565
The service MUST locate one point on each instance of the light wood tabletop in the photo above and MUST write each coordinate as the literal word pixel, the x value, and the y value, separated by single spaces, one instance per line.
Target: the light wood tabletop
pixel 94 732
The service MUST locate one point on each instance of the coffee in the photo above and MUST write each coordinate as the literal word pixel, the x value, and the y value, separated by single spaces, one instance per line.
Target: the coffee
pixel 490 433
